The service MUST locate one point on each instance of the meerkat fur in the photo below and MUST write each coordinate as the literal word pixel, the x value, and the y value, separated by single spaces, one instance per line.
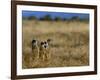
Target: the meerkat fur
pixel 45 50
pixel 35 49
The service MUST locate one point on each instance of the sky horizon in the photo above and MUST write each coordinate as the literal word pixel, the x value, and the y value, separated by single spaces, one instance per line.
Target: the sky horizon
pixel 41 14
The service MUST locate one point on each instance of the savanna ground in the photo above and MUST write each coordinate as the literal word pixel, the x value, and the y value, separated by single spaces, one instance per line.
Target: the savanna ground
pixel 70 42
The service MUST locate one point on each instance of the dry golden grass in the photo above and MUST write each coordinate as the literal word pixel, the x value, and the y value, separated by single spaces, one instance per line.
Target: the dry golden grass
pixel 70 45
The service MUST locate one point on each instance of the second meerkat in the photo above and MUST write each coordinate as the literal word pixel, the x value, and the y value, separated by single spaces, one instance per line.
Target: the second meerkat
pixel 35 49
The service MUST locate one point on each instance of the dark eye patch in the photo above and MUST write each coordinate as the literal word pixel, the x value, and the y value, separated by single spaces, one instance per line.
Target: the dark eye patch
pixel 45 42
pixel 42 43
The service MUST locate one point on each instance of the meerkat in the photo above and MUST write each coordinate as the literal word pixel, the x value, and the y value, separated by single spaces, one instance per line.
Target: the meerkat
pixel 45 50
pixel 35 49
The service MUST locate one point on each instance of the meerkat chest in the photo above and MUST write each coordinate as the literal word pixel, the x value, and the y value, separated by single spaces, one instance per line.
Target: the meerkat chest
pixel 45 51
pixel 35 49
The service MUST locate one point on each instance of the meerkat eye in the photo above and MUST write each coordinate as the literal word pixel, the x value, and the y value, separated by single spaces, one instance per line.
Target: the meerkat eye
pixel 45 42
pixel 42 43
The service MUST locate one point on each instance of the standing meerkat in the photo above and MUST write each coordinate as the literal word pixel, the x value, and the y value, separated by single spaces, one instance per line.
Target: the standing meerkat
pixel 45 50
pixel 35 49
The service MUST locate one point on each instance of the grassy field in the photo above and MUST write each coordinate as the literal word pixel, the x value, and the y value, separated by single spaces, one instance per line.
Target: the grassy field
pixel 70 43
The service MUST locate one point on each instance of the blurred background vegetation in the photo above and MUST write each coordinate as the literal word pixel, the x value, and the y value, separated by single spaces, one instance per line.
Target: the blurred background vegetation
pixel 57 18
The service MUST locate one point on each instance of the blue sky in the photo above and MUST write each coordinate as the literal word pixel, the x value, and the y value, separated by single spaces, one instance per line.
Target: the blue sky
pixel 40 14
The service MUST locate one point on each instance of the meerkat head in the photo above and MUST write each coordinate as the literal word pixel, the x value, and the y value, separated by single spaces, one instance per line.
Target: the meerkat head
pixel 45 44
pixel 34 43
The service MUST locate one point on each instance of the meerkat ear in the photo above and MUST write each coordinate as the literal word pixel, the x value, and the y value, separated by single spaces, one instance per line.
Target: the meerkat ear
pixel 33 40
pixel 49 40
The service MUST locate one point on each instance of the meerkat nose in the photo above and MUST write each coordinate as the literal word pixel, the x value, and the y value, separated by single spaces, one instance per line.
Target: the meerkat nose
pixel 45 46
